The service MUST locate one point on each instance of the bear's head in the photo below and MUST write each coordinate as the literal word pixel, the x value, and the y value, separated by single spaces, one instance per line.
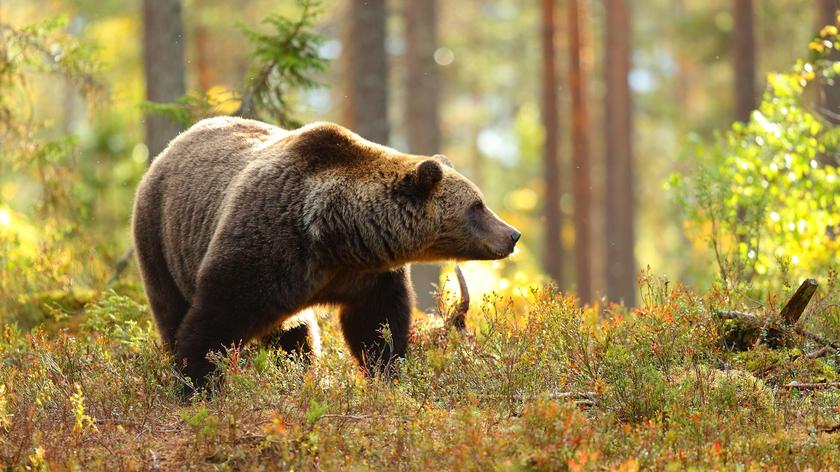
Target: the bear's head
pixel 368 205
pixel 462 226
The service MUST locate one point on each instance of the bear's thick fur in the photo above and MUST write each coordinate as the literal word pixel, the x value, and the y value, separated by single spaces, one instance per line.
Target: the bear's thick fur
pixel 239 226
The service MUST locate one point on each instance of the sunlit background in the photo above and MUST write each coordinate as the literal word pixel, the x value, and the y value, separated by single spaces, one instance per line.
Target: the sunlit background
pixel 489 65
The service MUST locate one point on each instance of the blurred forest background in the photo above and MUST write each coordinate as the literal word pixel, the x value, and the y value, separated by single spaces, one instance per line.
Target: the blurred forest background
pixel 679 156
pixel 601 129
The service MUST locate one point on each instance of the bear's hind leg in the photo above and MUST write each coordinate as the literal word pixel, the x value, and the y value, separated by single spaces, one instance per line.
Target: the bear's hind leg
pixel 386 300
pixel 168 305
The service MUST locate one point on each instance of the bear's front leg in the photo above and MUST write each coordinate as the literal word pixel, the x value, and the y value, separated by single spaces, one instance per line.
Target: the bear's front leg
pixel 384 300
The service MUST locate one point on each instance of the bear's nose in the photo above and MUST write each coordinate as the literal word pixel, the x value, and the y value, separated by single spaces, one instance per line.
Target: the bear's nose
pixel 515 235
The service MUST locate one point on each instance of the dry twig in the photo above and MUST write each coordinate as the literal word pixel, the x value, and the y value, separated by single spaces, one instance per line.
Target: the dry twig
pixel 459 317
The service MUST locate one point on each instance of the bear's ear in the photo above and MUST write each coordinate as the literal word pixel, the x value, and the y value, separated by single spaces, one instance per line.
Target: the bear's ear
pixel 443 160
pixel 426 177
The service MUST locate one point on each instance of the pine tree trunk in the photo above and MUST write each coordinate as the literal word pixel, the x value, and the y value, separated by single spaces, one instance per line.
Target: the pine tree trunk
pixel 553 256
pixel 422 114
pixel 743 53
pixel 163 54
pixel 201 38
pixel 620 211
pixel 365 68
pixel 829 100
pixel 580 155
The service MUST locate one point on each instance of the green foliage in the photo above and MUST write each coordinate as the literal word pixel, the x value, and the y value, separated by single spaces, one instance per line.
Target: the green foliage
pixel 195 105
pixel 285 60
pixel 38 48
pixel 39 250
pixel 316 411
pixel 202 422
pixel 120 319
pixel 41 49
pixel 766 193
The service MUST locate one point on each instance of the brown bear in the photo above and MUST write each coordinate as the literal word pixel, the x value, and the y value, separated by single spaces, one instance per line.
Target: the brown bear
pixel 239 226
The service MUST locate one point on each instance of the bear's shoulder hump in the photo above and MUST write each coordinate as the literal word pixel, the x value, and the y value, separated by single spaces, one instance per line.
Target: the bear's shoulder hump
pixel 330 143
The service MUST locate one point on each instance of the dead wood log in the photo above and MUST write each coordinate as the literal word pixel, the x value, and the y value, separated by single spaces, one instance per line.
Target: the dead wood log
pixel 741 331
pixel 794 308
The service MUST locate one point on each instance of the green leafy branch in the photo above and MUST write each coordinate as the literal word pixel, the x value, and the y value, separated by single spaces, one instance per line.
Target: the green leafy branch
pixel 286 59
pixel 766 193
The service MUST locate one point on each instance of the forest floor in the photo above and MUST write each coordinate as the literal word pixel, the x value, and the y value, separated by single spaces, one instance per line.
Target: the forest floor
pixel 535 385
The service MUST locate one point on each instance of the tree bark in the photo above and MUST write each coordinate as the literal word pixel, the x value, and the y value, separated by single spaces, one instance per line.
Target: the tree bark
pixel 580 155
pixel 829 99
pixel 365 109
pixel 422 114
pixel 163 55
pixel 553 256
pixel 620 211
pixel 827 12
pixel 203 65
pixel 743 54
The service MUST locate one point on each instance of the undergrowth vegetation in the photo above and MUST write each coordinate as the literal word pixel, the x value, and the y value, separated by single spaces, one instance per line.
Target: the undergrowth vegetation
pixel 552 387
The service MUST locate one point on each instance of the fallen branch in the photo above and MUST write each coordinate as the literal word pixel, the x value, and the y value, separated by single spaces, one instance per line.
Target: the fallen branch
pixel 810 386
pixel 580 398
pixel 830 429
pixel 821 352
pixel 351 417
pixel 817 338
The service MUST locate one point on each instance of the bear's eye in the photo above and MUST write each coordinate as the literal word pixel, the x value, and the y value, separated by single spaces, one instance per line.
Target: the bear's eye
pixel 477 206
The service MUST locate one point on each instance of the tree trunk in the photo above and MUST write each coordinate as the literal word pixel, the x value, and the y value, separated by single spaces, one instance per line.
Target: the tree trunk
pixel 580 155
pixel 829 100
pixel 827 12
pixel 476 157
pixel 422 114
pixel 163 55
pixel 553 256
pixel 621 262
pixel 365 109
pixel 203 67
pixel 743 53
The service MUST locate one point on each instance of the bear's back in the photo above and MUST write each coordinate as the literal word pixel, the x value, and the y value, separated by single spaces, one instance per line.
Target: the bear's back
pixel 191 179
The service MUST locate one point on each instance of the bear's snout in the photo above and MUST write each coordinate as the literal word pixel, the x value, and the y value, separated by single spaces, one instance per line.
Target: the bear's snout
pixel 514 238
pixel 504 239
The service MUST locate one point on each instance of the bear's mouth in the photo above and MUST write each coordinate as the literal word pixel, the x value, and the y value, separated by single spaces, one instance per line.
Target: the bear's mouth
pixel 495 253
